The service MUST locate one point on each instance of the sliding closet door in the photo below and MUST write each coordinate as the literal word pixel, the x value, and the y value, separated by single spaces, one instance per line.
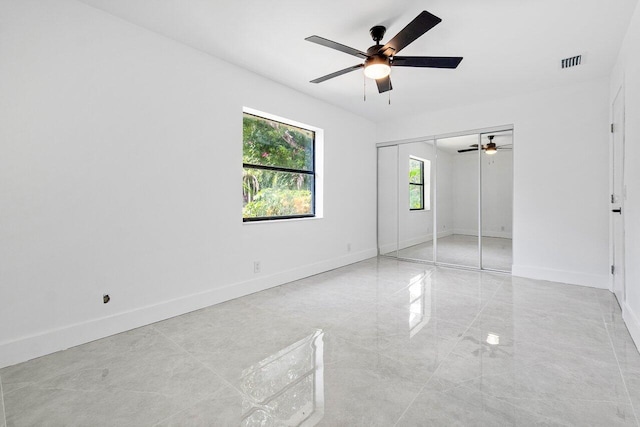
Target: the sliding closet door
pixel 415 213
pixel 388 201
pixel 457 201
pixel 497 200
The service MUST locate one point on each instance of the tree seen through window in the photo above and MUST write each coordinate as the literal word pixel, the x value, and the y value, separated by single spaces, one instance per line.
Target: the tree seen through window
pixel 278 177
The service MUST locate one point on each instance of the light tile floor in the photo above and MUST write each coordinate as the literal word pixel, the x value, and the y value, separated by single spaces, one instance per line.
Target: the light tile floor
pixel 381 342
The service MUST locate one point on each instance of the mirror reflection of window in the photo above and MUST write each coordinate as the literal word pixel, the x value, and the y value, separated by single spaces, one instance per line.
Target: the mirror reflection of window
pixel 286 388
pixel 419 303
pixel 419 184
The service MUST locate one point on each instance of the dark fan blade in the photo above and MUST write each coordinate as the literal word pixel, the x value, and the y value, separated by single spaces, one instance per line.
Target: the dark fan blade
pixel 384 84
pixel 337 46
pixel 468 149
pixel 423 23
pixel 337 73
pixel 427 61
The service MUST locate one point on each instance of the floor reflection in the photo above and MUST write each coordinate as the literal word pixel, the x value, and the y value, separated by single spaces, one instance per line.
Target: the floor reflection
pixel 286 388
pixel 419 303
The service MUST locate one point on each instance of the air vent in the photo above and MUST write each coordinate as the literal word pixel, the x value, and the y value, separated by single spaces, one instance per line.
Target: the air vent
pixel 571 62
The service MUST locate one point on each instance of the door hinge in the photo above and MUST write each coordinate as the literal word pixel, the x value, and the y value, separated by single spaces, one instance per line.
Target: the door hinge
pixel 612 127
pixel 613 269
pixel 613 199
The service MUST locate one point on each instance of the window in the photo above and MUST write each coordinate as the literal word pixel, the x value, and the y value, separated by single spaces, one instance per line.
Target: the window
pixel 416 184
pixel 278 177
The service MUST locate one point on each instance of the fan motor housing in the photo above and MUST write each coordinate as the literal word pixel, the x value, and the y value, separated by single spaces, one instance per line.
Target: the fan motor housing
pixel 376 58
pixel 375 51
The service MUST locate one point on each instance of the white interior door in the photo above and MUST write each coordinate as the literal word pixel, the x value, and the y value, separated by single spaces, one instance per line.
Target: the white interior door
pixel 617 198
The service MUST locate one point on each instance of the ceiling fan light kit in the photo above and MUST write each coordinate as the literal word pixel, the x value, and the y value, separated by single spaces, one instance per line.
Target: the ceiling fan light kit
pixel 377 67
pixel 491 148
pixel 379 59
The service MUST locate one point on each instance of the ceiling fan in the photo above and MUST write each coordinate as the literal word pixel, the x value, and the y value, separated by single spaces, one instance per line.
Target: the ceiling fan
pixel 379 59
pixel 490 148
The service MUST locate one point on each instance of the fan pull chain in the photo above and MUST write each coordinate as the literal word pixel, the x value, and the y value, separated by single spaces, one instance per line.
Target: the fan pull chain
pixel 364 89
pixel 389 87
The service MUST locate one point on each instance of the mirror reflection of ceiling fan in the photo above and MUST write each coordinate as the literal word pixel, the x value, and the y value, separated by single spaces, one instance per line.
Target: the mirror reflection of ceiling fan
pixel 490 148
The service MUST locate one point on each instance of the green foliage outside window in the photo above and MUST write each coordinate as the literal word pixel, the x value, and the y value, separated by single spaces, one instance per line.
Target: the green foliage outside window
pixel 278 174
pixel 416 184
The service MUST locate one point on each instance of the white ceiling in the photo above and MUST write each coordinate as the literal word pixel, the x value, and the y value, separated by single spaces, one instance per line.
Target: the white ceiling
pixel 509 46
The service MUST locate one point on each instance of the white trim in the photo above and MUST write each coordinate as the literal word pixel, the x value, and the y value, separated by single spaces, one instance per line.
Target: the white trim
pixel 633 323
pixel 599 281
pixel 29 347
pixel 318 169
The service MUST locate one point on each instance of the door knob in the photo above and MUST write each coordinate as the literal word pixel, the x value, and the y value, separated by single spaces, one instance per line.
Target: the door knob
pixel 619 210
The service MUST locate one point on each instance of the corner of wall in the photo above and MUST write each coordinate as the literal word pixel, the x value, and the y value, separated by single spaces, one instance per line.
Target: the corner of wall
pixel 633 323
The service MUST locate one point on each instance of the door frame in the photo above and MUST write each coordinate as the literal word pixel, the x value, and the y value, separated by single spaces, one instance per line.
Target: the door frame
pixel 613 238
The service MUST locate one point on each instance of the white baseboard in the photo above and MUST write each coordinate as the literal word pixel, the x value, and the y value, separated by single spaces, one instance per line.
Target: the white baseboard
pixel 600 281
pixel 30 347
pixel 500 234
pixel 633 323
pixel 415 241
pixel 391 247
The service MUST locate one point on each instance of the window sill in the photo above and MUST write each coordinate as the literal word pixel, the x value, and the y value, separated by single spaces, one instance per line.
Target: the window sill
pixel 271 221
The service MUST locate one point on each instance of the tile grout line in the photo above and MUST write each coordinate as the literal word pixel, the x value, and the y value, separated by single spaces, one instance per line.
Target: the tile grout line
pixel 179 412
pixel 197 360
pixel 4 409
pixel 447 355
pixel 184 350
pixel 615 354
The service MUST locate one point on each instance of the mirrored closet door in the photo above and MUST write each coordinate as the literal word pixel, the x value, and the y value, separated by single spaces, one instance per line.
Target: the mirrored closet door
pixel 388 200
pixel 457 204
pixel 497 200
pixel 415 212
pixel 448 200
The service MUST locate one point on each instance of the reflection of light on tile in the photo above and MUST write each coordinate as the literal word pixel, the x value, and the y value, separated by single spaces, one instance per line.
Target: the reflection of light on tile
pixel 419 303
pixel 493 339
pixel 286 388
pixel 417 278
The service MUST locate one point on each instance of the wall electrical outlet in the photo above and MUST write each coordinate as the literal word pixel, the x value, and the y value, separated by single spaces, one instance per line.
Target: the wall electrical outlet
pixel 256 266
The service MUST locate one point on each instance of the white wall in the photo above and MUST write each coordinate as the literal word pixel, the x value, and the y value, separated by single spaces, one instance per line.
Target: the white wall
pixel 121 173
pixel 560 222
pixel 626 73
